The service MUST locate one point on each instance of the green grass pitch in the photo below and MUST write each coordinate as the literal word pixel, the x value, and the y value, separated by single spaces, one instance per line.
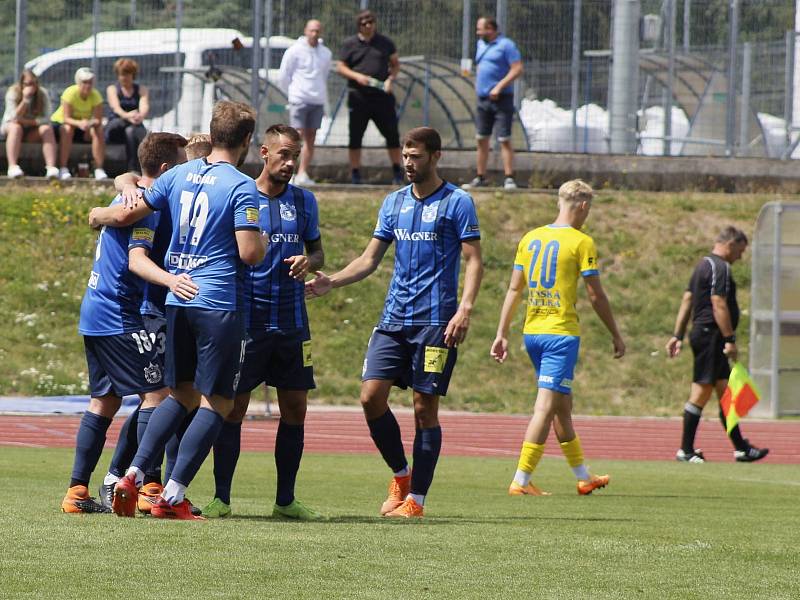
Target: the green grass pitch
pixel 660 530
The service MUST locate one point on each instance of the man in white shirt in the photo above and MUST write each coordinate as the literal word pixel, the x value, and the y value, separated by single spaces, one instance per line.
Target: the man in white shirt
pixel 304 73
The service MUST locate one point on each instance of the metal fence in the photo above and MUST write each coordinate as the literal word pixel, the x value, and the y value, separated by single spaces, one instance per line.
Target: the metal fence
pixel 712 76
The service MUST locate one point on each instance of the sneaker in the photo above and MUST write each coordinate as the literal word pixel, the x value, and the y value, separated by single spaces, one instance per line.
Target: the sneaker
pixel 695 456
pixel 509 184
pixel 594 482
pixel 182 511
pixel 77 500
pixel 752 454
pixel 399 487
pixel 516 489
pixel 106 494
pixel 14 172
pixel 296 510
pixel 217 509
pixel 407 510
pixel 478 182
pixel 51 172
pixel 148 496
pixel 302 180
pixel 126 496
pixel 64 174
pixel 100 174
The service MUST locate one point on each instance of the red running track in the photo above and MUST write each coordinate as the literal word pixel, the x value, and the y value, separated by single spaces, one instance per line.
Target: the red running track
pixel 465 434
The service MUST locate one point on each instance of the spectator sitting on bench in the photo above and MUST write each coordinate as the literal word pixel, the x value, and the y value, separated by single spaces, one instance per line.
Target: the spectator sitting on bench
pixel 79 118
pixel 27 119
pixel 129 104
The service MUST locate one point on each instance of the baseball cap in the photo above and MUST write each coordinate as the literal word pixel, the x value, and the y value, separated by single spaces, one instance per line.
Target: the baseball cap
pixel 83 74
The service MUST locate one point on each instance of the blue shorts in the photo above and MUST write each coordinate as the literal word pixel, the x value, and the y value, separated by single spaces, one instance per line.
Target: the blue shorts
pixel 123 364
pixel 156 327
pixel 554 357
pixel 411 356
pixel 205 347
pixel 281 359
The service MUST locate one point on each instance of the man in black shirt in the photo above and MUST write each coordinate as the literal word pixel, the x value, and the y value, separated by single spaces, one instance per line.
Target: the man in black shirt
pixel 369 62
pixel 711 299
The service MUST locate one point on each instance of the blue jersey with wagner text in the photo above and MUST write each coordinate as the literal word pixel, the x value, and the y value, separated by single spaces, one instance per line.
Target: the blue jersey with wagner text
pixel 208 203
pixel 277 301
pixel 113 295
pixel 428 233
pixel 154 233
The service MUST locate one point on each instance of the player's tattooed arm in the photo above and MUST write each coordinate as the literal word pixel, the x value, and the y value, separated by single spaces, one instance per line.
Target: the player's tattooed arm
pixel 457 328
pixel 516 286
pixel 140 264
pixel 357 270
pixel 301 265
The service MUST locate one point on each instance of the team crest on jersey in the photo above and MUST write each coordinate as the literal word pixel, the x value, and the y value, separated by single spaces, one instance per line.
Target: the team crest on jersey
pixel 94 278
pixel 152 373
pixel 429 212
pixel 288 212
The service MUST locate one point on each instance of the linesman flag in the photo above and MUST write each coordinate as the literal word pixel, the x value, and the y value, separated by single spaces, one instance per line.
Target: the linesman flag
pixel 740 396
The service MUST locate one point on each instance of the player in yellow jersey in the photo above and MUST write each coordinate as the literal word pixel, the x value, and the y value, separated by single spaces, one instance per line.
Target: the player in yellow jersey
pixel 549 262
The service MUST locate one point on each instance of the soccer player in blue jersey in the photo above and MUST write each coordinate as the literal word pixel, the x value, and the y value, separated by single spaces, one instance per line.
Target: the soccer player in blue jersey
pixel 214 210
pixel 121 356
pixel 147 248
pixel 279 341
pixel 415 342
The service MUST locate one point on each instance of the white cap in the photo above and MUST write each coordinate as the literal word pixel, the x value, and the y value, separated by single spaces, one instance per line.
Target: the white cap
pixel 84 74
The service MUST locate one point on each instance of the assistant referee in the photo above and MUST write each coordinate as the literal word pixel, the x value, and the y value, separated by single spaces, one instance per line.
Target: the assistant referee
pixel 711 302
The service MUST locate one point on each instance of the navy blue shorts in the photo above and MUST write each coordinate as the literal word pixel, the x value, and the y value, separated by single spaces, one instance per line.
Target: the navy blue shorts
pixel 411 356
pixel 156 327
pixel 495 115
pixel 554 357
pixel 205 347
pixel 123 364
pixel 281 359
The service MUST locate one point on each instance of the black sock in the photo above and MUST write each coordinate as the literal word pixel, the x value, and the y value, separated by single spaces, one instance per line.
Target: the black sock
pixel 88 447
pixel 385 432
pixel 288 452
pixel 736 435
pixel 355 172
pixel 691 419
pixel 427 445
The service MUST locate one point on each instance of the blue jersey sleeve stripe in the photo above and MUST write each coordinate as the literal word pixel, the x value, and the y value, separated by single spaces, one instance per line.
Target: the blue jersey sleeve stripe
pixel 150 206
pixel 388 240
pixel 518 267
pixel 470 236
pixel 589 272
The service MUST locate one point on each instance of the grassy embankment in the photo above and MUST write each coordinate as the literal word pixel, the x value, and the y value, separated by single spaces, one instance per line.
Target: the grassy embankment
pixel 648 245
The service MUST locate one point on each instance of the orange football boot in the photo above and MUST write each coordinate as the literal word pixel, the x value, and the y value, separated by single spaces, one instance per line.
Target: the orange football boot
pixel 408 509
pixel 182 511
pixel 516 489
pixel 126 495
pixel 586 487
pixel 148 496
pixel 399 487
pixel 77 500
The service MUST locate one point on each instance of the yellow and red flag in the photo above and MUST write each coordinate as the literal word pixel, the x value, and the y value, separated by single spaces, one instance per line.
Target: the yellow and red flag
pixel 740 396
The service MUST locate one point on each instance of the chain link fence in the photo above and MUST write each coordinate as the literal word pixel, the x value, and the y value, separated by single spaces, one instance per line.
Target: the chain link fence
pixel 192 53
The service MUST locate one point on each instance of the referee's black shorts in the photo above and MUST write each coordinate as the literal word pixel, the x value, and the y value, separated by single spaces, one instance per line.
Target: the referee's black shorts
pixel 710 363
pixel 378 107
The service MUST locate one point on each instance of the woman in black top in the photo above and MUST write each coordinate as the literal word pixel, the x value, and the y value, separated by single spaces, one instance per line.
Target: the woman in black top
pixel 129 104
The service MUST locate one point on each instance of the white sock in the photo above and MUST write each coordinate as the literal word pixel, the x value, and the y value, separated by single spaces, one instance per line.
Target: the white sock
pixel 418 498
pixel 402 472
pixel 138 473
pixel 173 492
pixel 523 478
pixel 110 479
pixel 581 472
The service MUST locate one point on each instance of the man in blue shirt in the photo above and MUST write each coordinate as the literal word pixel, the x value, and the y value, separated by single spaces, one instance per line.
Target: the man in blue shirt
pixel 278 349
pixel 122 356
pixel 214 210
pixel 498 63
pixel 415 342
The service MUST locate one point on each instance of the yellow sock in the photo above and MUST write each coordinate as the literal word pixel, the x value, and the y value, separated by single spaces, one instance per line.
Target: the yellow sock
pixel 529 456
pixel 573 452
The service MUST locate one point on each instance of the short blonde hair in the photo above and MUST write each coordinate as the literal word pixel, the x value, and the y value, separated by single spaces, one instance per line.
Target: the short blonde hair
pixel 575 191
pixel 199 146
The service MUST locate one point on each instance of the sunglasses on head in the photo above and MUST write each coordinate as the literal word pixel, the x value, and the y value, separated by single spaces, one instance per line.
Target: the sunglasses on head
pixel 367 22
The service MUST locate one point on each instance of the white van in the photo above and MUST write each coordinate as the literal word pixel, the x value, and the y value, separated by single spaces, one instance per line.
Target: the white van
pixel 182 110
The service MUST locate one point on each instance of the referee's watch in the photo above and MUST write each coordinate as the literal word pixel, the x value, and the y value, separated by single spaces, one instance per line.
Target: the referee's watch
pixel 731 339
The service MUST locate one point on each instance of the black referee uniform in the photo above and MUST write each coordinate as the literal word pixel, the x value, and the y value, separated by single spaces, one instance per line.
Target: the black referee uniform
pixel 712 276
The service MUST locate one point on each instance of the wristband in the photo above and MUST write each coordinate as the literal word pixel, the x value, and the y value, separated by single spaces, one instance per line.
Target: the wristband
pixel 678 337
pixel 731 339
